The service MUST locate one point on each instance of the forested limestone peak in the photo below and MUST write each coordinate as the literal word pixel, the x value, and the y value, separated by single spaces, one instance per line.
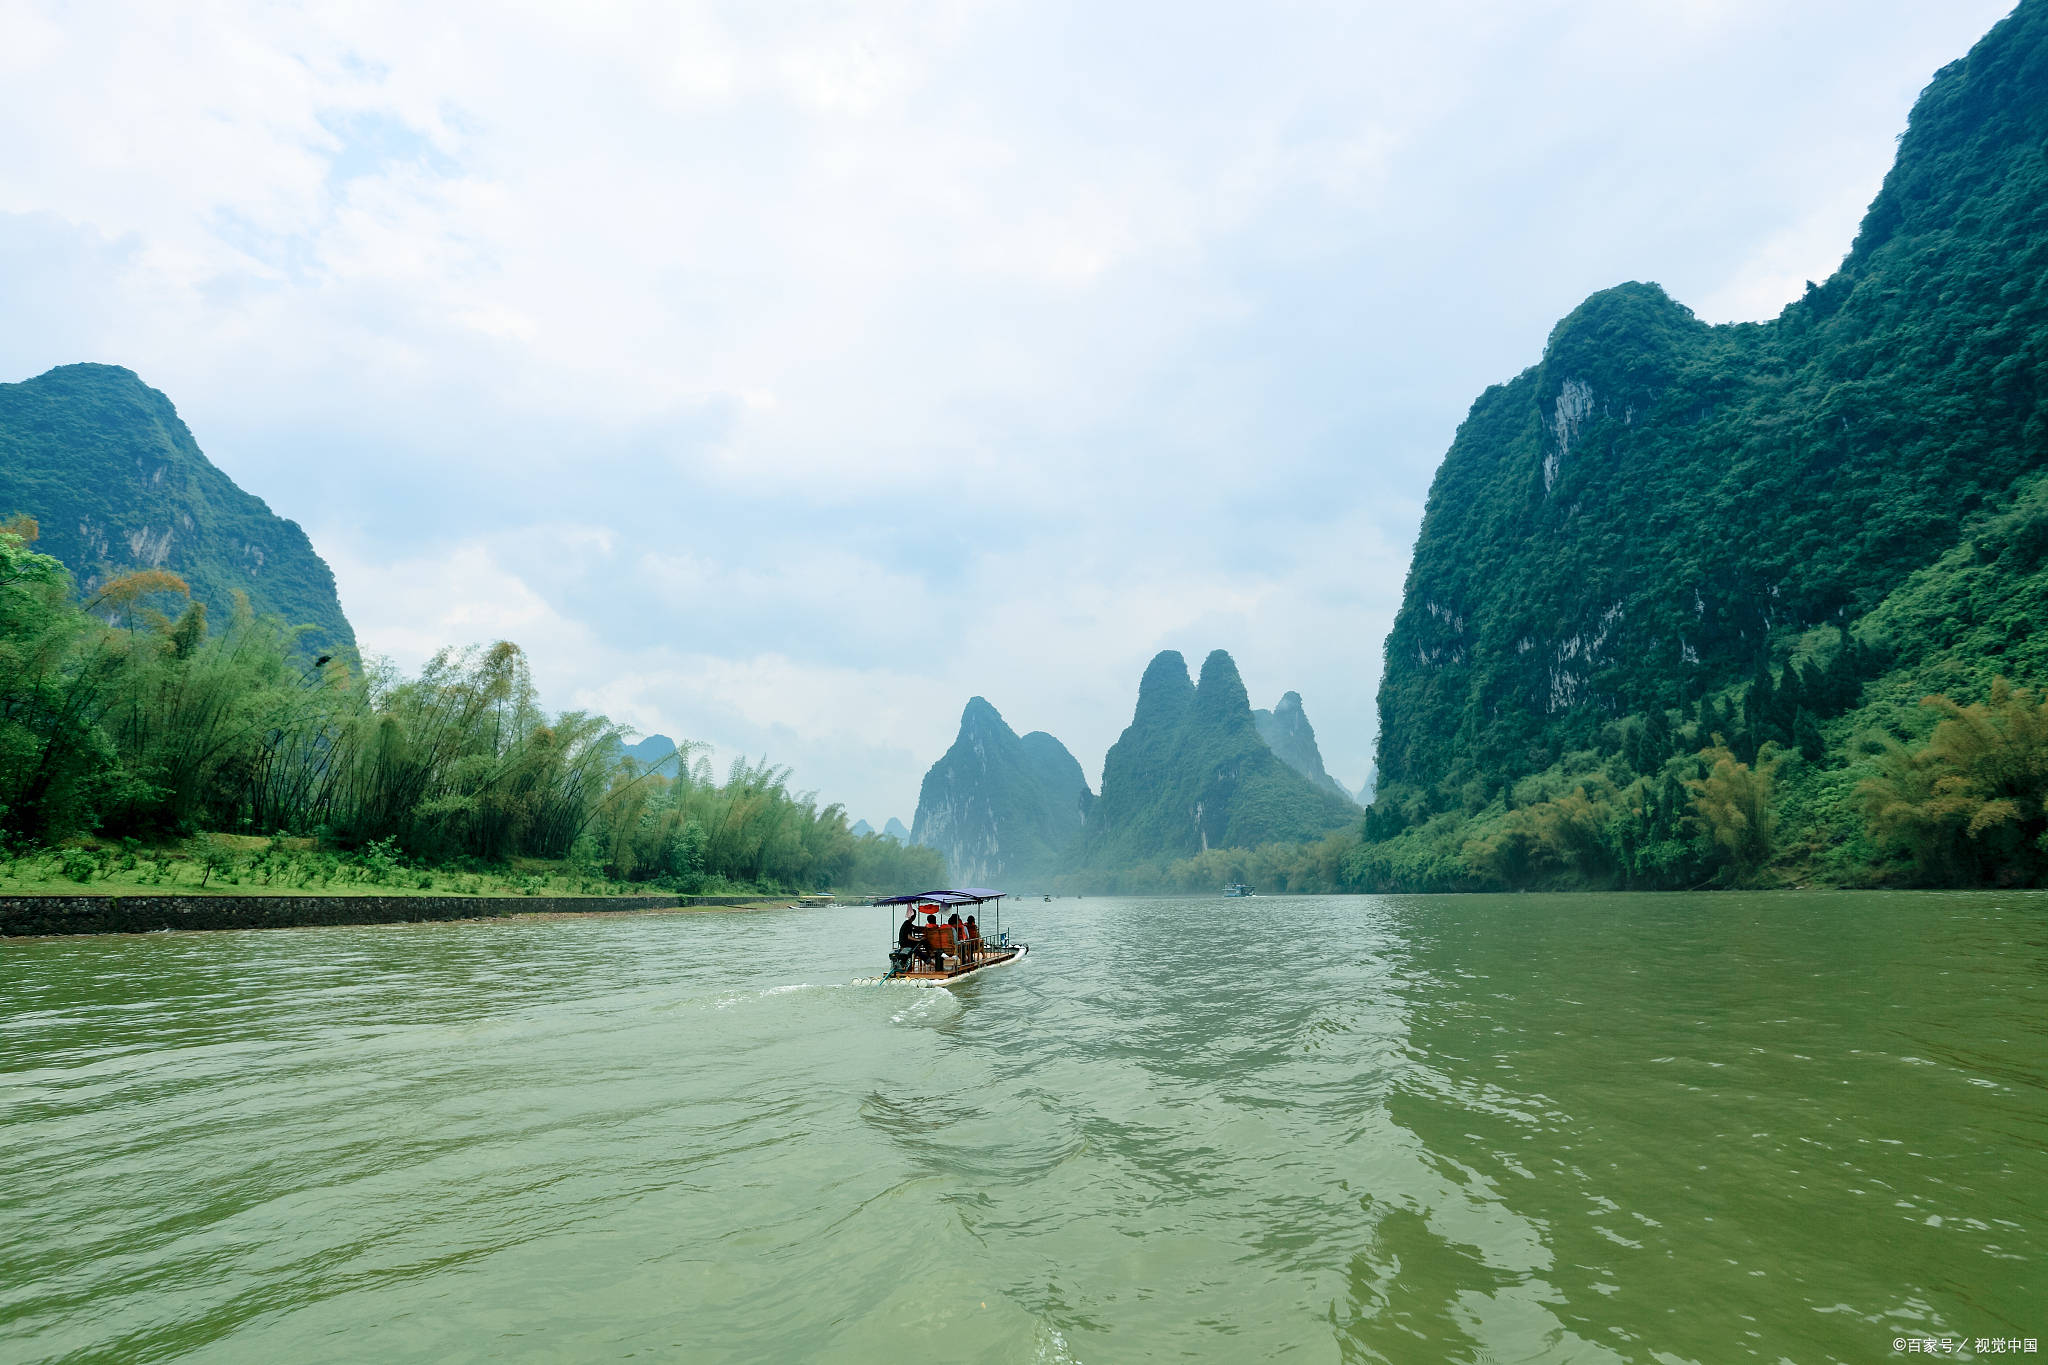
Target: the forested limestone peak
pixel 1220 701
pixel 1981 114
pixel 998 806
pixel 1666 531
pixel 116 483
pixel 1164 691
pixel 1190 774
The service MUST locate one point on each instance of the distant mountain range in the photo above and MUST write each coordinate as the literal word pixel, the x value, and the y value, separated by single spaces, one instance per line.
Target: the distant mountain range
pixel 1197 769
pixel 650 751
pixel 116 483
pixel 891 829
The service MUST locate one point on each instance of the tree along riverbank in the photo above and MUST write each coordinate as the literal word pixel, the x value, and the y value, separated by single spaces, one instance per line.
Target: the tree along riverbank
pixel 229 868
pixel 1933 794
pixel 127 716
pixel 50 916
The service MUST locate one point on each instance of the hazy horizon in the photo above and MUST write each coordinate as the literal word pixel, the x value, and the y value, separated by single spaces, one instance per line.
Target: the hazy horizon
pixel 782 384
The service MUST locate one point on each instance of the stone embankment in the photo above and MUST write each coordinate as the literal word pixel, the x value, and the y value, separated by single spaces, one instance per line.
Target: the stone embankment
pixel 39 915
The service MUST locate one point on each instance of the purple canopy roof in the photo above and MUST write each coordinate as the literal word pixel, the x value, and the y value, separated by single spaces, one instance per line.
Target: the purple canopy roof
pixel 973 895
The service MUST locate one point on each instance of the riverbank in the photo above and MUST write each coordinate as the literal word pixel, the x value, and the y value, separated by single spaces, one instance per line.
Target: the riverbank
pixel 227 865
pixel 60 915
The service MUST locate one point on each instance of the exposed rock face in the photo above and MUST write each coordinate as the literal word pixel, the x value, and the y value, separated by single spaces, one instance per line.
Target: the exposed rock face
pixel 1191 773
pixel 116 483
pixel 999 807
pixel 1292 739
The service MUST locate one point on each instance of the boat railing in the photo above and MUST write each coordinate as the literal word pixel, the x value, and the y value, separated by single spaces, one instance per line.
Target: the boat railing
pixel 976 951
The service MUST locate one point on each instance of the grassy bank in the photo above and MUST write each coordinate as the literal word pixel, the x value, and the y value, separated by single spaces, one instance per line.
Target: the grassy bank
pixel 244 865
pixel 94 913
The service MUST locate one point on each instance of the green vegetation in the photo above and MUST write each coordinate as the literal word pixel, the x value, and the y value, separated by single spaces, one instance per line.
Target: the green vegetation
pixel 1001 808
pixel 226 864
pixel 1680 589
pixel 1191 775
pixel 1972 804
pixel 124 718
pixel 117 483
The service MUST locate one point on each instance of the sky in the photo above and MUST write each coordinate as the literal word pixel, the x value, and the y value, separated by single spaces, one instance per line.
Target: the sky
pixel 780 376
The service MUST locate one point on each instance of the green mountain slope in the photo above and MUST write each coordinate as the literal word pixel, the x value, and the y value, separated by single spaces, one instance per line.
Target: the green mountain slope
pixel 115 481
pixel 1292 739
pixel 1000 808
pixel 1191 773
pixel 1668 530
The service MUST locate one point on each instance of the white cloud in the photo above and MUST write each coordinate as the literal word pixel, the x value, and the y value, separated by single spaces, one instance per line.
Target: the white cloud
pixel 409 608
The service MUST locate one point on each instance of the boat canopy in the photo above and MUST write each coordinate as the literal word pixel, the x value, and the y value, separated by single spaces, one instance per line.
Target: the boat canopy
pixel 973 895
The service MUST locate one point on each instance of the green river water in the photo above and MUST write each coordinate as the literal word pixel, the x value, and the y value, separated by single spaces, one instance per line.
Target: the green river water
pixel 1792 1127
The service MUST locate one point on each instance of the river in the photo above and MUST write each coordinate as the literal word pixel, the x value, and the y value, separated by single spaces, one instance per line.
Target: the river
pixel 1703 1128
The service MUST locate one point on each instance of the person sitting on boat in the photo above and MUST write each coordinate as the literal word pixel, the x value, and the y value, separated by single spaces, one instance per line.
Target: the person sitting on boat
pixel 933 944
pixel 905 951
pixel 958 936
pixel 915 938
pixel 973 937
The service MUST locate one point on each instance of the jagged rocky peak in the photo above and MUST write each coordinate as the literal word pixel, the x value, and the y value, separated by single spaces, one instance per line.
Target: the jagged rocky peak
pixel 1292 739
pixel 1000 807
pixel 860 829
pixel 892 828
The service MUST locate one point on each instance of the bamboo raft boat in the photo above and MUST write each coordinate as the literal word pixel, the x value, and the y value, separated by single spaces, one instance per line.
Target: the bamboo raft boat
pixel 928 952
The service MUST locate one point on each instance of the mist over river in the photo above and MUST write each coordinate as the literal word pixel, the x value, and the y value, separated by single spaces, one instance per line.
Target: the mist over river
pixel 1707 1128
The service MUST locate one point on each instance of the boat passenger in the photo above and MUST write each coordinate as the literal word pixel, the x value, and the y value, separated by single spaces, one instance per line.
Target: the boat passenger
pixel 914 937
pixel 958 937
pixel 973 938
pixel 931 939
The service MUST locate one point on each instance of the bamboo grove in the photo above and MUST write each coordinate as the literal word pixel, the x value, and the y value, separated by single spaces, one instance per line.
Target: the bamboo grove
pixel 129 714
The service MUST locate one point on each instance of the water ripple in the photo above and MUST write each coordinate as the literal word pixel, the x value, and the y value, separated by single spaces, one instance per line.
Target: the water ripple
pixel 1359 1129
